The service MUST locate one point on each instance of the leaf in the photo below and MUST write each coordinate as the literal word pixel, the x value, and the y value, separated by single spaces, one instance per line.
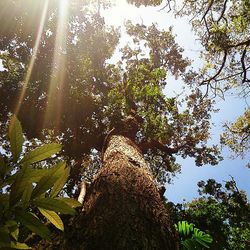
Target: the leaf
pixel 18 187
pixel 27 194
pixel 183 226
pixel 189 244
pixel 54 205
pixel 16 138
pixel 53 218
pixel 18 245
pixel 60 183
pixel 71 202
pixel 4 202
pixel 41 153
pixel 4 237
pixel 48 180
pixel 13 228
pixel 3 167
pixel 33 223
pixel 31 175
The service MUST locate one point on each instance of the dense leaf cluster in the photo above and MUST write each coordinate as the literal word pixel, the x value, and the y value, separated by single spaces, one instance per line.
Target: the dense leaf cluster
pixel 222 211
pixel 28 193
pixel 237 135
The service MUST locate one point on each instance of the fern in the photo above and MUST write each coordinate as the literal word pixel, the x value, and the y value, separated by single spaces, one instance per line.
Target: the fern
pixel 192 237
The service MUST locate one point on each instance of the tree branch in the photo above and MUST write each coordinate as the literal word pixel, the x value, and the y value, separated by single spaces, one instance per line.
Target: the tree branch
pixel 223 11
pixel 247 43
pixel 209 7
pixel 218 72
pixel 244 66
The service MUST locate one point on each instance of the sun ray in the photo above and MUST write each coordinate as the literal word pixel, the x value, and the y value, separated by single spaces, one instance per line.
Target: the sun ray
pixel 33 58
pixel 57 78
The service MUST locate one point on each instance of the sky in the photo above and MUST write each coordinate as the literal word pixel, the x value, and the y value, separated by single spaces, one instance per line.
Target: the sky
pixel 184 185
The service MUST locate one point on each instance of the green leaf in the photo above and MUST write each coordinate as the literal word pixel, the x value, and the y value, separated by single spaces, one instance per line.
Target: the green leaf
pixel 18 187
pixel 54 205
pixel 3 167
pixel 18 245
pixel 33 223
pixel 41 153
pixel 48 180
pixel 27 195
pixel 31 175
pixel 71 202
pixel 16 138
pixel 4 237
pixel 53 218
pixel 13 228
pixel 4 202
pixel 60 183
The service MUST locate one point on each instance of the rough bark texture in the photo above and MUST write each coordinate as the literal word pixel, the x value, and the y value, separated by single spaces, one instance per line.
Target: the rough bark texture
pixel 123 208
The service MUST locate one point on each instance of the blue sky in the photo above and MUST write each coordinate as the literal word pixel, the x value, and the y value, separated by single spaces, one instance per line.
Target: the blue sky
pixel 185 184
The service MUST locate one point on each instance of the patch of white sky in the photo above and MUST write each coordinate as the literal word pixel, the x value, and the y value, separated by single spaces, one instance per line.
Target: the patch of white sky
pixel 185 184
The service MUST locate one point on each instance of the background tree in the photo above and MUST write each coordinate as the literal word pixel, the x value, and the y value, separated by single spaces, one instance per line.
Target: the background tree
pixel 222 28
pixel 222 211
pixel 237 135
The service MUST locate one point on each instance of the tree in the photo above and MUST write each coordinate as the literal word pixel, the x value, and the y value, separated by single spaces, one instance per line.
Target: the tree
pixel 59 83
pixel 222 211
pixel 237 135
pixel 222 28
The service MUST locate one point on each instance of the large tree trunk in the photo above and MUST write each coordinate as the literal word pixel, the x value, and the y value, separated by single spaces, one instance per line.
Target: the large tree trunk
pixel 123 208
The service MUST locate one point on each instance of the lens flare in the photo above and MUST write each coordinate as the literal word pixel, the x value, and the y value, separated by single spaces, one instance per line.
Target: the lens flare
pixel 57 78
pixel 33 57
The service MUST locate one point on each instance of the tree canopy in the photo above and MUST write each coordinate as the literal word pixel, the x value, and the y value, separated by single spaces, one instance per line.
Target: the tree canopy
pixel 222 211
pixel 61 81
pixel 58 79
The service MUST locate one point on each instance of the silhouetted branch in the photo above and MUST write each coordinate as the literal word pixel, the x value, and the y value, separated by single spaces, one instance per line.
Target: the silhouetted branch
pixel 223 11
pixel 218 72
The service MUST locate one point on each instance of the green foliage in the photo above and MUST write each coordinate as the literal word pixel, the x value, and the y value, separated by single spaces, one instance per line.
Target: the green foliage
pixel 192 237
pixel 237 135
pixel 223 29
pixel 25 188
pixel 223 212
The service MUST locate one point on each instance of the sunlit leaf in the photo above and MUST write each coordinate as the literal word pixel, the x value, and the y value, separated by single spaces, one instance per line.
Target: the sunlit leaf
pixel 18 245
pixel 71 202
pixel 16 138
pixel 54 205
pixel 53 218
pixel 41 153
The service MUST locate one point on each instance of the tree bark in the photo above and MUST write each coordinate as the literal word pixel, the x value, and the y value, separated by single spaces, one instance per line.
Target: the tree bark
pixel 123 208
